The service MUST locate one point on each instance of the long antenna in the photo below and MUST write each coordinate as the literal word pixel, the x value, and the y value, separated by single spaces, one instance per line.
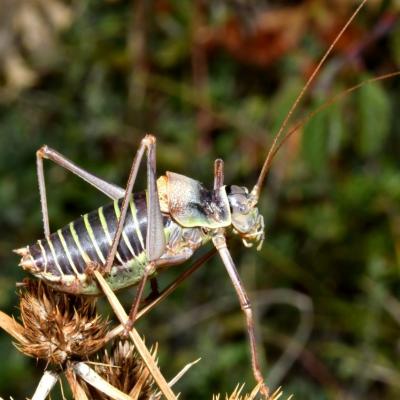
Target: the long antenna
pixel 327 104
pixel 265 168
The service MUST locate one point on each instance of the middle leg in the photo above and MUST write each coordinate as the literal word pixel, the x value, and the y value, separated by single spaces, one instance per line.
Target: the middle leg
pixel 155 240
pixel 149 270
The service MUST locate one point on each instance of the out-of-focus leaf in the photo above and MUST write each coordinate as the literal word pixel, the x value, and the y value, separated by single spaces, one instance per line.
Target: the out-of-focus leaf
pixel 336 128
pixel 315 142
pixel 356 191
pixel 390 184
pixel 373 117
pixel 263 39
pixel 172 52
pixel 254 108
pixel 395 44
pixel 282 101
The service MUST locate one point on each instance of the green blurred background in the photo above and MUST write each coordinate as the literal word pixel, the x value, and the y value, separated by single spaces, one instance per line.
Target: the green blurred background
pixel 215 79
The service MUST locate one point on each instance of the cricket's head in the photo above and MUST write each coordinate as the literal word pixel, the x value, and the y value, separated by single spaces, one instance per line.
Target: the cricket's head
pixel 247 222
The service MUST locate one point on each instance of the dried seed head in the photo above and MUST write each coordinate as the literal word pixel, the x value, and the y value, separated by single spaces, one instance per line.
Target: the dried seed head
pixel 237 394
pixel 59 326
pixel 126 371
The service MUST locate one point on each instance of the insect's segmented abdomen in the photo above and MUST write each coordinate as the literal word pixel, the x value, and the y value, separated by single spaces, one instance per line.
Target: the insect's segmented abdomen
pixel 87 240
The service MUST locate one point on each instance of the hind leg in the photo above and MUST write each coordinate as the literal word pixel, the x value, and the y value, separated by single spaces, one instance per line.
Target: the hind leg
pixel 45 152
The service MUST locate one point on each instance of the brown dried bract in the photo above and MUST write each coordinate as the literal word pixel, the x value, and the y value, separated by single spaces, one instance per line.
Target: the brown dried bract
pixel 126 371
pixel 59 326
pixel 237 394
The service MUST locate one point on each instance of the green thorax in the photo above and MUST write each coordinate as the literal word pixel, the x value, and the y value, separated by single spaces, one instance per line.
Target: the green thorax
pixel 192 205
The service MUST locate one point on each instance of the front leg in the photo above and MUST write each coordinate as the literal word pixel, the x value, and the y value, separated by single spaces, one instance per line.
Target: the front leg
pixel 220 244
pixel 165 261
pixel 155 291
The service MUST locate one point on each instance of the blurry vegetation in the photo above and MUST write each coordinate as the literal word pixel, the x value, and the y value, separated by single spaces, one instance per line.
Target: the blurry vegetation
pixel 215 79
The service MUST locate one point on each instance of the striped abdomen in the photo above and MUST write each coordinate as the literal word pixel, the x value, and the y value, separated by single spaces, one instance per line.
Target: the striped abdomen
pixel 86 241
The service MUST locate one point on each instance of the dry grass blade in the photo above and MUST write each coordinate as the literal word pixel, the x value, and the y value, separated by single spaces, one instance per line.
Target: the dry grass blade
pixel 137 340
pixel 90 376
pixel 182 372
pixel 12 327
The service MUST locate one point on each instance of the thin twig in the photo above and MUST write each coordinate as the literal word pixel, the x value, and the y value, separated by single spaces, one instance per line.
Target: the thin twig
pixel 13 328
pixel 135 337
pixel 46 384
pixel 76 388
pixel 94 379
pixel 182 372
pixel 166 292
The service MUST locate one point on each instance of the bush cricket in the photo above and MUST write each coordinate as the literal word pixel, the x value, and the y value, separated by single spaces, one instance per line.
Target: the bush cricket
pixel 134 237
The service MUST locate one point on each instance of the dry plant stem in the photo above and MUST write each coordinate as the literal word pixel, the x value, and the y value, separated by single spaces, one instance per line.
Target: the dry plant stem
pixel 137 340
pixel 46 384
pixel 88 375
pixel 13 328
pixel 76 388
pixel 179 375
pixel 166 292
pixel 182 372
pixel 137 389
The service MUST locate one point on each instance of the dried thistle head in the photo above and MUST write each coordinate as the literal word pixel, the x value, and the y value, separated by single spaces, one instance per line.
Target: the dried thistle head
pixel 124 369
pixel 58 326
pixel 237 394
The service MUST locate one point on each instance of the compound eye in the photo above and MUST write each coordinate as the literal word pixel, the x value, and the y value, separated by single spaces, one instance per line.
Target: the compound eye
pixel 243 209
pixel 239 204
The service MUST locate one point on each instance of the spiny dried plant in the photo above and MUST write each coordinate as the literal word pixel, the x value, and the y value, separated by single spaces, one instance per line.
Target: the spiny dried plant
pixel 56 326
pixel 125 370
pixel 65 330
pixel 237 394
